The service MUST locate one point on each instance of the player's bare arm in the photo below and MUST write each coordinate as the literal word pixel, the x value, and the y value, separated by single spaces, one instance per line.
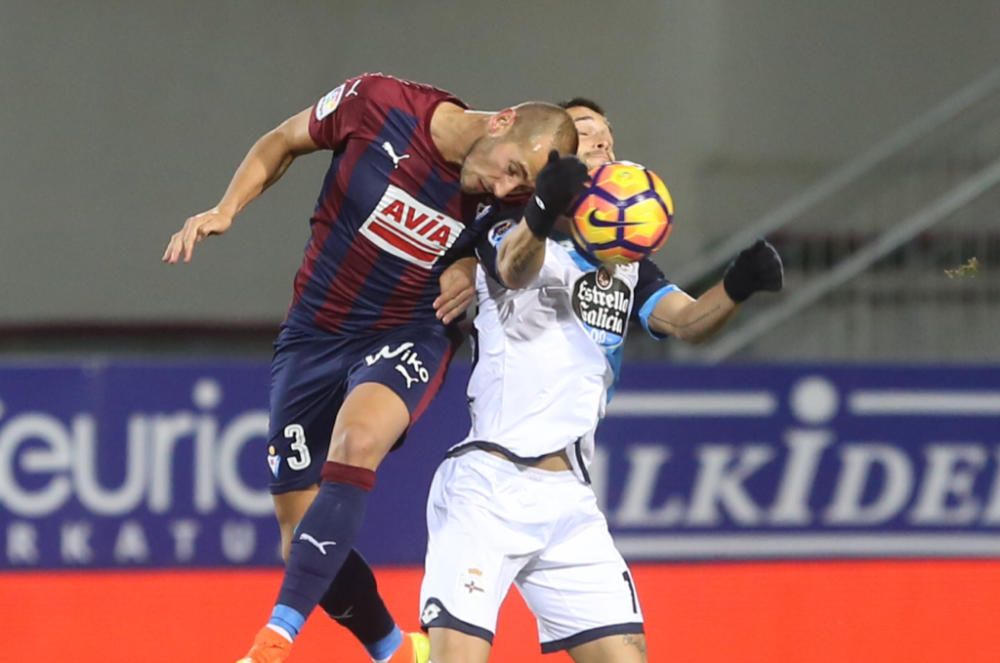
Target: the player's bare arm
pixel 263 165
pixel 520 257
pixel 679 315
pixel 757 267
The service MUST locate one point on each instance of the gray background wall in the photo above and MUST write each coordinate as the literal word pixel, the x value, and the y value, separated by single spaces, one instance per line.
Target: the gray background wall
pixel 120 119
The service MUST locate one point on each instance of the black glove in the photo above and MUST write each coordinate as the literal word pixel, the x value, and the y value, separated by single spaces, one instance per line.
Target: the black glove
pixel 757 267
pixel 557 185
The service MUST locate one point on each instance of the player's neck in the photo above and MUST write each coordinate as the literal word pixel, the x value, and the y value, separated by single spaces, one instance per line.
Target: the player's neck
pixel 454 130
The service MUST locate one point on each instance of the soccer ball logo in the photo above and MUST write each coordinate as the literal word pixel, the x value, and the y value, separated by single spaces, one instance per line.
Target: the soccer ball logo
pixel 624 215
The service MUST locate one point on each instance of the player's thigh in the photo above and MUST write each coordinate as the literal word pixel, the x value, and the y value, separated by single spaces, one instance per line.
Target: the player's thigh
pixel 473 552
pixel 626 648
pixel 580 587
pixel 388 388
pixel 371 420
pixel 289 508
pixel 451 646
pixel 308 381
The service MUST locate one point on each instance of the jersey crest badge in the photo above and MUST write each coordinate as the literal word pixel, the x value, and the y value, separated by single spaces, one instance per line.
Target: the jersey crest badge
pixel 329 102
pixel 497 232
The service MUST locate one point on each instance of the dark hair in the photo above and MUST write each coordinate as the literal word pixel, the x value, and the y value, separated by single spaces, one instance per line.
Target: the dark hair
pixel 584 102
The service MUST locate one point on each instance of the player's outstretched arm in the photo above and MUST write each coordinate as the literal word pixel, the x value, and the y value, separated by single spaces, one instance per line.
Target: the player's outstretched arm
pixel 757 267
pixel 263 165
pixel 522 251
pixel 692 320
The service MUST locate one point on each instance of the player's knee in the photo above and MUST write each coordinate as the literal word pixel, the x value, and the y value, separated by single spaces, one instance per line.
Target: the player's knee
pixel 356 444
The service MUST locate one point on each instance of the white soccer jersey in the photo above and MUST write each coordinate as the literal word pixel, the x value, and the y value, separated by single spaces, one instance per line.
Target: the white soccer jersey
pixel 546 355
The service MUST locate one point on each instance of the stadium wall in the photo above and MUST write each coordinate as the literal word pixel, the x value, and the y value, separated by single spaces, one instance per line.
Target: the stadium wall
pixel 122 119
pixel 773 512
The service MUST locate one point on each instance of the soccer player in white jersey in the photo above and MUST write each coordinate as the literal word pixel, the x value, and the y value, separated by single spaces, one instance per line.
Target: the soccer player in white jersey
pixel 512 504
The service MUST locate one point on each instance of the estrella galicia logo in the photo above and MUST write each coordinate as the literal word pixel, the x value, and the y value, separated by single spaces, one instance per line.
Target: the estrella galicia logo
pixel 603 302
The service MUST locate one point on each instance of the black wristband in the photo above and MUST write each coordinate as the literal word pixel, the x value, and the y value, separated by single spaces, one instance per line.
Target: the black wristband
pixel 540 221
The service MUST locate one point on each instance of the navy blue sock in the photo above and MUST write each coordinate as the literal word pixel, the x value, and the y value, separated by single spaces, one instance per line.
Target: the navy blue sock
pixel 353 600
pixel 324 538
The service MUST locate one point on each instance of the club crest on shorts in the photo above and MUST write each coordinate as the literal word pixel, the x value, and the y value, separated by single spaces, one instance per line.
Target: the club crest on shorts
pixel 273 460
pixel 472 581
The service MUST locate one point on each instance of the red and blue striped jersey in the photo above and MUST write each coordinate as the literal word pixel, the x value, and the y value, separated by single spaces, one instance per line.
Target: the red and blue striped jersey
pixel 389 211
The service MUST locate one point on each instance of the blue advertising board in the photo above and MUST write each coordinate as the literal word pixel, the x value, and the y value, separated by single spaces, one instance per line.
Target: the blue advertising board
pixel 123 464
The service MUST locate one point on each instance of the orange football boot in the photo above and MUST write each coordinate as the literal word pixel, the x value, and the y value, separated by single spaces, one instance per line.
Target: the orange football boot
pixel 269 646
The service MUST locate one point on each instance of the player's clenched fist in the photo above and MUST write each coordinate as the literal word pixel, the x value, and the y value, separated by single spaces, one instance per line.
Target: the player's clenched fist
pixel 558 184
pixel 757 267
pixel 197 228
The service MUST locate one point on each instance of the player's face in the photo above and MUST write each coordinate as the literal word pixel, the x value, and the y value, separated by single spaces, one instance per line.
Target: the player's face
pixel 503 167
pixel 597 143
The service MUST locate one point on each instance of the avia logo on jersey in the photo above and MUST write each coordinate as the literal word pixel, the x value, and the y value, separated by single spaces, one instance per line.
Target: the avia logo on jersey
pixel 603 303
pixel 409 366
pixel 410 230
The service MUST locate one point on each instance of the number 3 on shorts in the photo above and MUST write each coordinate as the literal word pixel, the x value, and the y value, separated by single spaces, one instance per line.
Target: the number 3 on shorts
pixel 303 459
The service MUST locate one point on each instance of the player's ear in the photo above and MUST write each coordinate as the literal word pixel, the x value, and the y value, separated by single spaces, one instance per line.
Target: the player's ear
pixel 501 122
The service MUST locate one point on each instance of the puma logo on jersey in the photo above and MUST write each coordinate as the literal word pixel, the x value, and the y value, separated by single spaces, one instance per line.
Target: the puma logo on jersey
pixel 320 545
pixel 387 146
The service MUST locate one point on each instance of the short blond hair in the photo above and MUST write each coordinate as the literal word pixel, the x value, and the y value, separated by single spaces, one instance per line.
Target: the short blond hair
pixel 535 119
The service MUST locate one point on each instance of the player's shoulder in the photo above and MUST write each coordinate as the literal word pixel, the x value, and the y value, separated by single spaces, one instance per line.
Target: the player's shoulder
pixel 393 90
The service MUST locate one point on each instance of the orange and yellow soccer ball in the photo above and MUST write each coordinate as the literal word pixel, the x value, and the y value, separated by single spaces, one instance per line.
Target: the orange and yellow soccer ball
pixel 624 215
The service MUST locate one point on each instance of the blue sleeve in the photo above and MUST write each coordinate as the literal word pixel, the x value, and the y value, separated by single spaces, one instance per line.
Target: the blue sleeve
pixel 651 287
pixel 490 230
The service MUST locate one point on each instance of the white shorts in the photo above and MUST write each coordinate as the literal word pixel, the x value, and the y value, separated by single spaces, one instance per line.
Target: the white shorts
pixel 492 523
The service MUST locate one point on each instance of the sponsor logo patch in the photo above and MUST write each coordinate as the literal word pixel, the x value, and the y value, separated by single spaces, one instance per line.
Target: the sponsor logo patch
pixel 408 229
pixel 329 102
pixel 497 232
pixel 603 303
pixel 409 365
pixel 431 612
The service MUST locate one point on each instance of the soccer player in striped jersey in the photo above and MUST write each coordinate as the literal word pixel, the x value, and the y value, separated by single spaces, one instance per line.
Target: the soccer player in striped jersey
pixel 364 345
pixel 512 504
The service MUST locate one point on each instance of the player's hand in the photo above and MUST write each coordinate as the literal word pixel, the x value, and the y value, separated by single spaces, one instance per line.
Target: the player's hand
pixel 197 228
pixel 458 288
pixel 757 267
pixel 558 184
